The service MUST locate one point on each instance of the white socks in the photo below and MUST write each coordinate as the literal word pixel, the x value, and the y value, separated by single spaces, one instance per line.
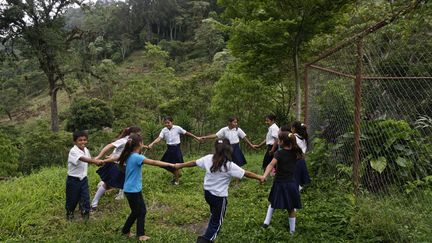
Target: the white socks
pixel 269 215
pixel 292 222
pixel 97 196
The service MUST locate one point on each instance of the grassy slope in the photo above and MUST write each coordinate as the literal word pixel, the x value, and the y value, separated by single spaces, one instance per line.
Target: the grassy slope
pixel 32 208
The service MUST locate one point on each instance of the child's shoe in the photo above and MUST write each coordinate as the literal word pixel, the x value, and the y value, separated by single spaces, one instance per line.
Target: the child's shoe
pixel 201 239
pixel 69 215
pixel 85 215
pixel 120 195
pixel 264 226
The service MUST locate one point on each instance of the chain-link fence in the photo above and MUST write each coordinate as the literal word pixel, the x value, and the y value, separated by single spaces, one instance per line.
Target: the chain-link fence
pixel 368 107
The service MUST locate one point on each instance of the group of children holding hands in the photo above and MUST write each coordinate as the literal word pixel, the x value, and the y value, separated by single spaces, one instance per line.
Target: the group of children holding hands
pixel 284 158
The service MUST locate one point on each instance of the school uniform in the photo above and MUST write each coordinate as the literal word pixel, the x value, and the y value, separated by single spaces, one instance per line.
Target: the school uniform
pixel 271 138
pixel 301 173
pixel 77 189
pixel 132 190
pixel 110 173
pixel 234 135
pixel 173 153
pixel 285 193
pixel 216 192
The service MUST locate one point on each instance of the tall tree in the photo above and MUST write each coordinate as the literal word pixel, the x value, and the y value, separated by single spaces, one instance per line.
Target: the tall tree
pixel 299 20
pixel 39 24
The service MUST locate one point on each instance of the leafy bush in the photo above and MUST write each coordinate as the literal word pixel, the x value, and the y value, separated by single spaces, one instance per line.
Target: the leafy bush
pixel 9 157
pixel 87 114
pixel 42 147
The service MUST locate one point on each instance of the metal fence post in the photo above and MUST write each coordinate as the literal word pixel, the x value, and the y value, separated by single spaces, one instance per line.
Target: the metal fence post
pixel 357 114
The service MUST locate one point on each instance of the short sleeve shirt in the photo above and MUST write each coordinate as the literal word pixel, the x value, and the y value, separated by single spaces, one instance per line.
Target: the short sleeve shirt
pixel 119 145
pixel 233 135
pixel 76 167
pixel 286 162
pixel 217 182
pixel 133 177
pixel 301 143
pixel 272 134
pixel 172 136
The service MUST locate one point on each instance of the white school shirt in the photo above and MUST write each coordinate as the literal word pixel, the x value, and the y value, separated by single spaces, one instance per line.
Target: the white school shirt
pixel 233 135
pixel 301 143
pixel 272 134
pixel 76 167
pixel 119 145
pixel 217 182
pixel 172 136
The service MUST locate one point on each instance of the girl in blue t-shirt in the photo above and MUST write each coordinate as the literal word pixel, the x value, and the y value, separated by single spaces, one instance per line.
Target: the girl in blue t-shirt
pixel 131 162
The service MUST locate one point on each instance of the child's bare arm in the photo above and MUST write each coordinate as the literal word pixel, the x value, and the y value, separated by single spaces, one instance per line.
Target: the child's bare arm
pixel 252 175
pixel 107 148
pixel 90 160
pixel 157 140
pixel 186 164
pixel 270 167
pixel 157 163
pixel 211 136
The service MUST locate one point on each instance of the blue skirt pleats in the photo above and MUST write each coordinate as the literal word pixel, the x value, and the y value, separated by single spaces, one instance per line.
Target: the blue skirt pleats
pixel 285 195
pixel 111 175
pixel 267 157
pixel 301 173
pixel 172 155
pixel 237 155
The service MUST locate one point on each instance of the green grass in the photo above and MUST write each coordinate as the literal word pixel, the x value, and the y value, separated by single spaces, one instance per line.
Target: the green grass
pixel 32 209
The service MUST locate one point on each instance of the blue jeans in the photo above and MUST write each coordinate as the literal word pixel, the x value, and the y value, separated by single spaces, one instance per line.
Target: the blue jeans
pixel 77 191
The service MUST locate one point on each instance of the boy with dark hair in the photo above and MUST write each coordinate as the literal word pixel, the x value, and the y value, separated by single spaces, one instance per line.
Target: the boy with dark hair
pixel 77 189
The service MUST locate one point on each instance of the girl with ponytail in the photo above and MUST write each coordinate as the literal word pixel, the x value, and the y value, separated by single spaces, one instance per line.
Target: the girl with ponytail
pixel 130 162
pixel 111 176
pixel 219 169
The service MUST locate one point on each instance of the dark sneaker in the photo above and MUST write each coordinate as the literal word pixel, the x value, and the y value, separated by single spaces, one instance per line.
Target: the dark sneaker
pixel 264 226
pixel 85 215
pixel 201 239
pixel 69 215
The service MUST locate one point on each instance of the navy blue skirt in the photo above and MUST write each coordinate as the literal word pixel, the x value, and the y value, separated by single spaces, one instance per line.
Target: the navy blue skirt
pixel 111 175
pixel 301 174
pixel 237 155
pixel 267 157
pixel 285 195
pixel 172 155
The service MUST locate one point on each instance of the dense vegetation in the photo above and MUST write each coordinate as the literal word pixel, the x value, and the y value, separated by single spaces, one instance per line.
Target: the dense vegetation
pixel 104 65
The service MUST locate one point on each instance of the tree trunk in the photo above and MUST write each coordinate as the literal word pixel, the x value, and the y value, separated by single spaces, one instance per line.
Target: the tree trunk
pixel 54 111
pixel 297 81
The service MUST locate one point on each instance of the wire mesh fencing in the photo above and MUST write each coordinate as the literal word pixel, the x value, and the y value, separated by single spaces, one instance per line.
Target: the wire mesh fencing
pixel 368 107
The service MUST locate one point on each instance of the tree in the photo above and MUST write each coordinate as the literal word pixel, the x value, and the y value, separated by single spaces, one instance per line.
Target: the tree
pixel 299 21
pixel 39 24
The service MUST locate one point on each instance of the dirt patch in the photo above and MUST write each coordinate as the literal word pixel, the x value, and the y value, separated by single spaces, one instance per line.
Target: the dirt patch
pixel 160 207
pixel 197 228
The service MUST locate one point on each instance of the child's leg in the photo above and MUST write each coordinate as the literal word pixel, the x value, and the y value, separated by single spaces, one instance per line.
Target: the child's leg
pixel 85 198
pixel 217 208
pixel 269 215
pixel 292 220
pixel 72 195
pixel 99 193
pixel 133 202
pixel 141 207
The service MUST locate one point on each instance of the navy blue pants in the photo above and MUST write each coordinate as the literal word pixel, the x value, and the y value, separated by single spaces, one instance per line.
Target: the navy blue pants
pixel 138 213
pixel 77 191
pixel 217 209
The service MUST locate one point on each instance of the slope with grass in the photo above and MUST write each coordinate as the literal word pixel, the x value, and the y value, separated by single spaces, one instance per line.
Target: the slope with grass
pixel 32 209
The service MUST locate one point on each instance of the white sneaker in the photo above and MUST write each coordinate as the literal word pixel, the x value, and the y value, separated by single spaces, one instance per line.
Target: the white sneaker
pixel 100 184
pixel 120 195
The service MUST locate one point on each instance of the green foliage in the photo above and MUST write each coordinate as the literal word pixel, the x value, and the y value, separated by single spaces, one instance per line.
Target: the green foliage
pixel 179 214
pixel 9 157
pixel 42 147
pixel 88 114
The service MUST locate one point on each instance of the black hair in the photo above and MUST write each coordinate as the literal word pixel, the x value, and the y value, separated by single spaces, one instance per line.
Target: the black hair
pixel 271 117
pixel 285 128
pixel 168 118
pixel 132 143
pixel 127 131
pixel 288 139
pixel 222 155
pixel 300 129
pixel 78 134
